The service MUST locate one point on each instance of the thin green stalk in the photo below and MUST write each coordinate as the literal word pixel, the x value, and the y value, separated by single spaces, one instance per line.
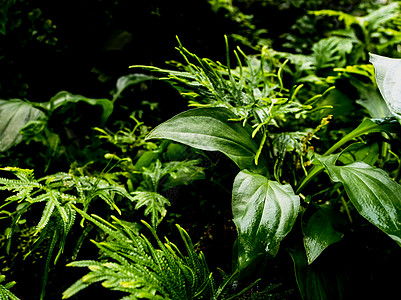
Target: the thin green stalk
pixel 280 70
pixel 346 208
pixel 316 170
pixel 260 148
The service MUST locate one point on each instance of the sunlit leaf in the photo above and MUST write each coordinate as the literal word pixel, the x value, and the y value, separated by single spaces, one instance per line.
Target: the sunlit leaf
pixel 388 77
pixel 212 129
pixel 154 204
pixel 264 212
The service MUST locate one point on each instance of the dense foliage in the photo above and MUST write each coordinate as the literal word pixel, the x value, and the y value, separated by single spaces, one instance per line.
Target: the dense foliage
pixel 279 154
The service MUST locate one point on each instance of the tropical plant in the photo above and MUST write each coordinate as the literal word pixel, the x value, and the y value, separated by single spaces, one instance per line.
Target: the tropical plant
pixel 313 134
pixel 246 120
pixel 364 31
pixel 130 263
pixel 58 192
pixel 344 44
pixel 34 122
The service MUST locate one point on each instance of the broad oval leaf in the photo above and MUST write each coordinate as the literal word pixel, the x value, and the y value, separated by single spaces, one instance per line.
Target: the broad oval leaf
pixel 318 226
pixel 63 98
pixel 388 77
pixel 264 212
pixel 373 193
pixel 211 129
pixel 14 115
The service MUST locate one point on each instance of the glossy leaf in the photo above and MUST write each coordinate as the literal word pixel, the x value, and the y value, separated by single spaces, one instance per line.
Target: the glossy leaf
pixel 360 152
pixel 14 115
pixel 366 127
pixel 388 77
pixel 372 101
pixel 318 226
pixel 264 212
pixel 212 129
pixel 373 193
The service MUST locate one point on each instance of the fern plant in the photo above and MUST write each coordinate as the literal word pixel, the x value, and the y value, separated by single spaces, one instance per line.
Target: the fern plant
pixel 58 193
pixel 5 293
pixel 148 178
pixel 130 263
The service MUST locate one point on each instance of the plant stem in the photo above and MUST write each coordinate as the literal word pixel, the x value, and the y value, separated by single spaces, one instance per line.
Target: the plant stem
pixel 314 172
pixel 346 208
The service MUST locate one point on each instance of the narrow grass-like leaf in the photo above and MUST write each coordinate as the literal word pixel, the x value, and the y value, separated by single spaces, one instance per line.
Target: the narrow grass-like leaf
pixel 367 126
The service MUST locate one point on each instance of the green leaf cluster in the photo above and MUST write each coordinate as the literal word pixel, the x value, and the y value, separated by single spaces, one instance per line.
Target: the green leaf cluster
pixel 265 210
pixel 134 265
pixel 59 193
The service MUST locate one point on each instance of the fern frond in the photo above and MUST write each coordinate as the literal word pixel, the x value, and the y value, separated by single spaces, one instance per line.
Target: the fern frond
pixel 134 265
pixel 5 293
pixel 79 285
pixel 50 250
pixel 47 213
pixel 154 204
pixel 59 192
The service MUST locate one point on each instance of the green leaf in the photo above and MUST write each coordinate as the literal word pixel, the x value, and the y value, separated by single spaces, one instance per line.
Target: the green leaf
pixel 348 19
pixel 389 125
pixel 184 173
pixel 212 129
pixel 318 226
pixel 125 81
pixel 369 97
pixel 373 193
pixel 388 77
pixel 264 212
pixel 327 282
pixel 155 205
pixel 47 212
pixel 63 98
pixel 378 17
pixel 360 152
pixel 14 115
